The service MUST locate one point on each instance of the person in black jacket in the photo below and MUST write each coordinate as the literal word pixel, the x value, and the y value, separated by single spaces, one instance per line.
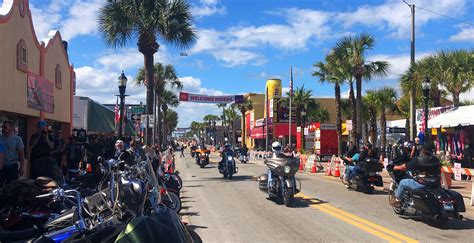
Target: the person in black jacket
pixel 427 165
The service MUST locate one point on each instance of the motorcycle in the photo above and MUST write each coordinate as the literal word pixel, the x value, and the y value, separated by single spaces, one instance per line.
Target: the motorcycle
pixel 228 168
pixel 365 179
pixel 432 203
pixel 202 158
pixel 280 180
pixel 244 158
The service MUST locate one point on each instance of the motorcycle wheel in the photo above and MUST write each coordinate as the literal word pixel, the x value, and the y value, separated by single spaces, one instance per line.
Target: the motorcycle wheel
pixel 201 165
pixel 230 176
pixel 178 180
pixel 369 190
pixel 172 201
pixel 397 210
pixel 288 198
pixel 439 222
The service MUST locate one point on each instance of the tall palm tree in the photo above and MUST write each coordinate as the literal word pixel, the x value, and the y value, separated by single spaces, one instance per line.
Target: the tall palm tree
pixel 211 119
pixel 331 73
pixel 247 105
pixel 230 116
pixel 386 99
pixel 223 119
pixel 165 77
pixel 353 51
pixel 170 121
pixel 147 21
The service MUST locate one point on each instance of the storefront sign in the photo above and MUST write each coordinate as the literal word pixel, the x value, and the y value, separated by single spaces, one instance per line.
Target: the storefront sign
pixel 198 98
pixel 40 93
pixel 349 125
pixel 457 171
pixel 432 113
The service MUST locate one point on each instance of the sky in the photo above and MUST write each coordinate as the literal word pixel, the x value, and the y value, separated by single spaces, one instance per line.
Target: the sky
pixel 242 43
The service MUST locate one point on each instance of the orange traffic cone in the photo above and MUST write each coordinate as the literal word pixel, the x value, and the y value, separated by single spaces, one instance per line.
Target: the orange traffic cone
pixel 301 164
pixel 313 168
pixel 328 171
pixel 337 173
pixel 89 168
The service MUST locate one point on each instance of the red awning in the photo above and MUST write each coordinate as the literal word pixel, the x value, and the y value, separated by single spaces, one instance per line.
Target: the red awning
pixel 281 129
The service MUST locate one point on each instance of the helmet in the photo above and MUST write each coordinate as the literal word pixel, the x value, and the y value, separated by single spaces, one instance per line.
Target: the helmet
pixel 42 123
pixel 227 146
pixel 408 145
pixel 276 146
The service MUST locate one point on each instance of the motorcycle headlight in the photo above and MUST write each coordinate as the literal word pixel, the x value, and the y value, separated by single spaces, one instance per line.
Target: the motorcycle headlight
pixel 229 157
pixel 287 169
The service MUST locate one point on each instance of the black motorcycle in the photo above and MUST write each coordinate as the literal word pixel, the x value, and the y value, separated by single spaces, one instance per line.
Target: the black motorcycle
pixel 280 181
pixel 432 203
pixel 228 168
pixel 366 178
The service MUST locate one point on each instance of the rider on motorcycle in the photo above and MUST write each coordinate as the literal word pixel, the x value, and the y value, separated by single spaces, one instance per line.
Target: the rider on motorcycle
pixel 428 167
pixel 366 151
pixel 227 148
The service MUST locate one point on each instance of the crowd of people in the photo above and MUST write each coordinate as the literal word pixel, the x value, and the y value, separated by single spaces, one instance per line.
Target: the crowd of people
pixel 50 155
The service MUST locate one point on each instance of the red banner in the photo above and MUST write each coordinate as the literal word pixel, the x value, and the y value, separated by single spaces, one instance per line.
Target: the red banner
pixel 198 98
pixel 40 93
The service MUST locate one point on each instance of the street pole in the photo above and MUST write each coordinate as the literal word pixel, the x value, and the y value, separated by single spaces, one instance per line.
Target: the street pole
pixel 291 96
pixel 412 62
pixel 223 124
pixel 426 93
pixel 266 119
pixel 122 79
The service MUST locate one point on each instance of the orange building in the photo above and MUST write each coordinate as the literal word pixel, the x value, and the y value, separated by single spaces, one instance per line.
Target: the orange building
pixel 36 79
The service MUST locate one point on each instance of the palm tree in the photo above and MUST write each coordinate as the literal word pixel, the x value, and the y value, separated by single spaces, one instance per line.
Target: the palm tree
pixel 386 99
pixel 230 116
pixel 164 75
pixel 170 121
pixel 211 119
pixel 247 105
pixel 147 21
pixel 352 50
pixel 330 73
pixel 223 106
pixel 168 99
pixel 370 101
pixel 302 102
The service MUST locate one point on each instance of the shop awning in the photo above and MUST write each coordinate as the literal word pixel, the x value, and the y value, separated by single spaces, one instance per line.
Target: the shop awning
pixel 101 120
pixel 257 133
pixel 281 129
pixel 462 115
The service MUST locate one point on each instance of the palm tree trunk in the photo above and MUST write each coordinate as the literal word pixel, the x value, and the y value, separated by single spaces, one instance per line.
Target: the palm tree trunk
pixel 383 128
pixel 359 107
pixel 243 127
pixel 149 93
pixel 365 127
pixel 353 115
pixel 337 91
pixel 455 99
pixel 373 126
pixel 159 123
pixel 164 125
pixel 407 128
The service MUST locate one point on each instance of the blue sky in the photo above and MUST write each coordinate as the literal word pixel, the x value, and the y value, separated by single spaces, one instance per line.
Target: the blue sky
pixel 241 43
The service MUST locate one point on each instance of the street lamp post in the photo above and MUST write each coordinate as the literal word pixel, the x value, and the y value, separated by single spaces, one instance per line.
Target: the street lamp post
pixel 425 85
pixel 122 80
pixel 214 132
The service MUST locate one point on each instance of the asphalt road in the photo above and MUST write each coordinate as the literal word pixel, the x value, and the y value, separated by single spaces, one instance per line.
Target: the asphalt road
pixel 222 210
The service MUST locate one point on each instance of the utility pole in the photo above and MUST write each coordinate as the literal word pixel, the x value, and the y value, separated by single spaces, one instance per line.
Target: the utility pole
pixel 289 115
pixel 266 119
pixel 412 62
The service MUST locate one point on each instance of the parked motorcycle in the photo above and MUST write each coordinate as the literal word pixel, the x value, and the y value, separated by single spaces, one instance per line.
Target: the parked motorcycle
pixel 280 181
pixel 365 179
pixel 432 203
pixel 228 168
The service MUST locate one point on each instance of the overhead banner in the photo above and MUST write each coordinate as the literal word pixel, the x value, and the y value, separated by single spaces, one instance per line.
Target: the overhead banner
pixel 40 93
pixel 199 98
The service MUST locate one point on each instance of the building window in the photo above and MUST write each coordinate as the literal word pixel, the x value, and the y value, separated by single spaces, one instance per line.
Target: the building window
pixel 22 56
pixel 58 77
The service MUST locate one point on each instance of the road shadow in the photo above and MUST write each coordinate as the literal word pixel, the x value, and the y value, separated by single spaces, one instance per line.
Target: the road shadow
pixel 192 231
pixel 306 202
pixel 195 186
pixel 189 213
pixel 465 224
pixel 187 201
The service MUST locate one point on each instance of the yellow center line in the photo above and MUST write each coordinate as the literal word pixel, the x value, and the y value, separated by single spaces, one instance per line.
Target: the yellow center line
pixel 359 222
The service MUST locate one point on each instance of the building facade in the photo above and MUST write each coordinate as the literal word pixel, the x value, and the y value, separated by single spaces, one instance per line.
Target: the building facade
pixel 36 78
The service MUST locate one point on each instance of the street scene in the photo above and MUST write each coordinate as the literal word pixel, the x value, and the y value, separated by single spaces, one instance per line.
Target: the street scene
pixel 236 121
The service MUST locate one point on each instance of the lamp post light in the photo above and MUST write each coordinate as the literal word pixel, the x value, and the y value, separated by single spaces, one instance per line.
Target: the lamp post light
pixel 122 81
pixel 425 85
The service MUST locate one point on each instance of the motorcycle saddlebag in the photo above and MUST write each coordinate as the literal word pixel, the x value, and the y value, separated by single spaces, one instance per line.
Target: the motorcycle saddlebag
pixel 263 182
pixel 458 201
pixel 425 201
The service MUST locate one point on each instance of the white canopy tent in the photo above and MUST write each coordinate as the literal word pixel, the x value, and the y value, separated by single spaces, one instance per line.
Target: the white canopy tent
pixel 462 115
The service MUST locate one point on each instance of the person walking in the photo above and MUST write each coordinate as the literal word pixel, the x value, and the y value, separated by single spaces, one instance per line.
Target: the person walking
pixel 14 153
pixel 182 151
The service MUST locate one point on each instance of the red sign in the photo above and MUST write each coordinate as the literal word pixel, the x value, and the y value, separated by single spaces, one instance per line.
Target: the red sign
pixel 40 93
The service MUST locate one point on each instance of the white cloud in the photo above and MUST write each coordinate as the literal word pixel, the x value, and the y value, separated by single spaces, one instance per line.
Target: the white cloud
pixel 466 34
pixel 394 15
pixel 398 63
pixel 207 8
pixel 6 6
pixel 469 95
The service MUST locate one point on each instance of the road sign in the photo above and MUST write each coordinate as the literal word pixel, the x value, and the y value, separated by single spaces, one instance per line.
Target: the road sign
pixel 138 109
pixel 457 171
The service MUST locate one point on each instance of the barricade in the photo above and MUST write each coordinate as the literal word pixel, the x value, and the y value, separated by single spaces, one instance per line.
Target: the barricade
pixel 464 171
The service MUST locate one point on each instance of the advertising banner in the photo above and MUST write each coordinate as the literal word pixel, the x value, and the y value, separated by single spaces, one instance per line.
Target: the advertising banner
pixel 40 93
pixel 199 98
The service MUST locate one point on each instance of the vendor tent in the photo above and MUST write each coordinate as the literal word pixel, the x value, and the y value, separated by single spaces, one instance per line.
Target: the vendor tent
pixel 462 115
pixel 96 118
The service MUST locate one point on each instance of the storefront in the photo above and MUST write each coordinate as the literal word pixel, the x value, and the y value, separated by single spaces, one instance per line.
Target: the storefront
pixel 37 80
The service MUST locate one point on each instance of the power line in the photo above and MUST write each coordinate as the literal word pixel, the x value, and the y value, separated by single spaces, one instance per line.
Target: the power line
pixel 446 16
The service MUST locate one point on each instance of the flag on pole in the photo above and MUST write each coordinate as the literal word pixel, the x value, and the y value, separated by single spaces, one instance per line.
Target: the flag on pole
pixel 291 81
